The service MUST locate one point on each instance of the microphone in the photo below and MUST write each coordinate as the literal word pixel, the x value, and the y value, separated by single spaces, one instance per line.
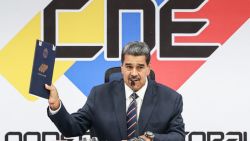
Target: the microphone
pixel 132 82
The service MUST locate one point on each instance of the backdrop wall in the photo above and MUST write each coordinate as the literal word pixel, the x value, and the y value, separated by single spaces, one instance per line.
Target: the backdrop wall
pixel 200 48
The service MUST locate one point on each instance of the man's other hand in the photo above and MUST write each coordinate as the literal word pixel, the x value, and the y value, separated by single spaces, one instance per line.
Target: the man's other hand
pixel 145 138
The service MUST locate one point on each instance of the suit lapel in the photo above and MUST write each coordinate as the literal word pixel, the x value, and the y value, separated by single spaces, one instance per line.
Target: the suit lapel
pixel 147 107
pixel 120 108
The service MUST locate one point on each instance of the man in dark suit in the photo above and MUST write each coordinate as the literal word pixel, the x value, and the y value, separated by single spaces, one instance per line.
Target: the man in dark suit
pixel 120 110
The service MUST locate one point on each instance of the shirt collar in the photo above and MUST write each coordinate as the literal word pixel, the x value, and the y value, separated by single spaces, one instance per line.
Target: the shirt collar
pixel 140 93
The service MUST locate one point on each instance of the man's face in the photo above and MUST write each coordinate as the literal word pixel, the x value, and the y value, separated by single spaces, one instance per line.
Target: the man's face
pixel 135 71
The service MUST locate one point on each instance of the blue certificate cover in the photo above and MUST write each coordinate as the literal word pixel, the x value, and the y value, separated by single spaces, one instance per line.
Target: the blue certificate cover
pixel 43 66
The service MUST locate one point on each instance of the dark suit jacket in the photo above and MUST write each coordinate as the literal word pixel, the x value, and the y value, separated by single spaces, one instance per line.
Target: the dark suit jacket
pixel 105 113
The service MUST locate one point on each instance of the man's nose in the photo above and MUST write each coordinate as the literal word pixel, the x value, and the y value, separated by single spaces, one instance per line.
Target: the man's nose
pixel 134 72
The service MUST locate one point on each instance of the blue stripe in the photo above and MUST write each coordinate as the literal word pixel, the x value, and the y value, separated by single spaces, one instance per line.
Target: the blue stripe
pixel 86 74
pixel 131 27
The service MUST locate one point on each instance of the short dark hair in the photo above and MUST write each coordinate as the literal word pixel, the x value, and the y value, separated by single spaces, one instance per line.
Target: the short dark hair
pixel 136 48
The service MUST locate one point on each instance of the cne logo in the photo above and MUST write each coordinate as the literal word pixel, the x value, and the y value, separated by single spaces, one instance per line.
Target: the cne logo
pixel 151 17
pixel 181 35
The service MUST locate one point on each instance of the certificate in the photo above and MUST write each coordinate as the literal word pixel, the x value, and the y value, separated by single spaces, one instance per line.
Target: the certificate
pixel 43 66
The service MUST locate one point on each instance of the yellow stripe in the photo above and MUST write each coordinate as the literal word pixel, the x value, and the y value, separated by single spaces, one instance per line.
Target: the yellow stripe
pixel 86 26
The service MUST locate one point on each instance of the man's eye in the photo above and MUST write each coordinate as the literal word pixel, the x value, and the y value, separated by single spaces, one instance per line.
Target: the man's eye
pixel 129 67
pixel 140 67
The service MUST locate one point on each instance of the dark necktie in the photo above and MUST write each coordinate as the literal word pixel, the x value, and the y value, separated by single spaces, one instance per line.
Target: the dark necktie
pixel 132 117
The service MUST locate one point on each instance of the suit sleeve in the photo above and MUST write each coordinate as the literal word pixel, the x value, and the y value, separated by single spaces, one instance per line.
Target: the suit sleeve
pixel 76 124
pixel 175 131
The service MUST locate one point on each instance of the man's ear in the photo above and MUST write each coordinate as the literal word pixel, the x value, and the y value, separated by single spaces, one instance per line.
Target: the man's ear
pixel 122 69
pixel 149 68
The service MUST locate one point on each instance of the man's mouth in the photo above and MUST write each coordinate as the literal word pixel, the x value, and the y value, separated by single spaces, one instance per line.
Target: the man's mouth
pixel 131 79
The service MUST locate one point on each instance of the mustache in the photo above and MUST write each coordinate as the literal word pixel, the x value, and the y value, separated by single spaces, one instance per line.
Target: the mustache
pixel 132 79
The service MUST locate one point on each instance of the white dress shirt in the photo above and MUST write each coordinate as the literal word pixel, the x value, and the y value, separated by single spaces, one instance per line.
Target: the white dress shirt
pixel 139 100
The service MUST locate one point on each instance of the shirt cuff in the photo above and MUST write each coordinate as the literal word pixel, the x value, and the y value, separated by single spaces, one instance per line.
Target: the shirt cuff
pixel 53 112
